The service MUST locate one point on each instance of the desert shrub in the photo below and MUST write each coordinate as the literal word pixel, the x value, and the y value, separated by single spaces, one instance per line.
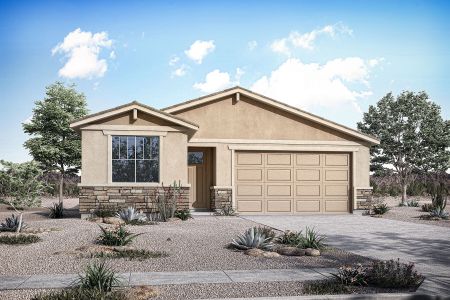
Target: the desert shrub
pixel 226 210
pixel 98 276
pixel 12 224
pixel 349 275
pixel 252 238
pixel 291 238
pixel 56 211
pixel 21 183
pixel 81 294
pixel 117 236
pixel 326 287
pixel 105 211
pixel 439 212
pixel 183 214
pixel 130 215
pixel 19 239
pixel 166 200
pixel 267 231
pixel 312 239
pixel 131 254
pixel 380 209
pixel 427 207
pixel 393 274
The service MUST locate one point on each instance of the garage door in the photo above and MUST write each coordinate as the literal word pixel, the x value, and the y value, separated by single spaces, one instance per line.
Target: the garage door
pixel 292 182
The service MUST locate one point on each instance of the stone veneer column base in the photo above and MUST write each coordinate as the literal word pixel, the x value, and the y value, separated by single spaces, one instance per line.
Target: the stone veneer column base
pixel 220 196
pixel 141 198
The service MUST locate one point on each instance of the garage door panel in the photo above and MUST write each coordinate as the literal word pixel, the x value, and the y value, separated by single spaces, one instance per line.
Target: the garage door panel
pixel 279 159
pixel 249 174
pixel 279 174
pixel 278 190
pixel 336 175
pixel 250 159
pixel 308 190
pixel 336 190
pixel 307 174
pixel 336 205
pixel 306 159
pixel 279 205
pixel 249 190
pixel 253 206
pixel 307 206
pixel 336 160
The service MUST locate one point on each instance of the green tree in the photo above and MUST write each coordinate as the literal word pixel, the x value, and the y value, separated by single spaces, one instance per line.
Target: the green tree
pixel 413 136
pixel 21 183
pixel 54 144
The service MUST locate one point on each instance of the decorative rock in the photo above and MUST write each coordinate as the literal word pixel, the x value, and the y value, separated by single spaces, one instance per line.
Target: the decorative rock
pixel 270 254
pixel 254 252
pixel 312 252
pixel 96 220
pixel 113 221
pixel 291 251
pixel 123 248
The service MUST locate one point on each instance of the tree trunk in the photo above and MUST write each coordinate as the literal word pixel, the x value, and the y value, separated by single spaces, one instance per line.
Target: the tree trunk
pixel 404 196
pixel 61 187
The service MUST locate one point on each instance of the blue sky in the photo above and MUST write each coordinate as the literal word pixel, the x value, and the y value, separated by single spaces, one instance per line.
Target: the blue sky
pixel 332 58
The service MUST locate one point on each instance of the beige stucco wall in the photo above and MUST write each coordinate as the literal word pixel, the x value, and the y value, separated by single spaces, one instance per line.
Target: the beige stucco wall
pixel 174 158
pixel 94 157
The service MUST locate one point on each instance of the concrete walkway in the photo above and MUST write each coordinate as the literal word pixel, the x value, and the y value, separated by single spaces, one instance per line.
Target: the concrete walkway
pixel 162 278
pixel 425 245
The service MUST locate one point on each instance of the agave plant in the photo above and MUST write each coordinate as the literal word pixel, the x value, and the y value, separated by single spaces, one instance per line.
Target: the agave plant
pixel 252 238
pixel 12 224
pixel 312 239
pixel 439 212
pixel 130 214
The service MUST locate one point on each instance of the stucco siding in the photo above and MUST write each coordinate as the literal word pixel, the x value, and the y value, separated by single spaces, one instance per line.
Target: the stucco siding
pixel 94 159
pixel 174 158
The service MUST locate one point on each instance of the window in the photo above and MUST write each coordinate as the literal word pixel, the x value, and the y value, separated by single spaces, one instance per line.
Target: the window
pixel 195 158
pixel 135 159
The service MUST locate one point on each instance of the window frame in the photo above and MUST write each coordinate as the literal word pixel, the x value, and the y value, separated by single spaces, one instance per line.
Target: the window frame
pixel 135 159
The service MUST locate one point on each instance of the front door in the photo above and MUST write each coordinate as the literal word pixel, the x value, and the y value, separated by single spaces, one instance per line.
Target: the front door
pixel 199 177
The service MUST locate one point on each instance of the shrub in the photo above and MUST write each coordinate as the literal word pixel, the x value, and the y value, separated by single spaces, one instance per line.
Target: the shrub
pixel 411 203
pixel 105 211
pixel 312 239
pixel 19 239
pixel 21 183
pixel 131 254
pixel 380 209
pixel 167 199
pixel 393 274
pixel 226 210
pixel 98 276
pixel 252 238
pixel 439 212
pixel 348 275
pixel 130 215
pixel 427 207
pixel 267 231
pixel 56 211
pixel 326 287
pixel 12 224
pixel 117 236
pixel 183 214
pixel 81 294
pixel 292 238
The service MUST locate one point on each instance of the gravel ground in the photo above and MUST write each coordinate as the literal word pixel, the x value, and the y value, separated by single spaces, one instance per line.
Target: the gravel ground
pixel 196 244
pixel 410 214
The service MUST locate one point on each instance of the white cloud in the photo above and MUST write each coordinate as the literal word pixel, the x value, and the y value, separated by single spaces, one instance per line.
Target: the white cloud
pixel 214 81
pixel 238 75
pixel 252 45
pixel 307 40
pixel 82 50
pixel 174 60
pixel 199 49
pixel 179 72
pixel 337 82
pixel 375 61
pixel 112 55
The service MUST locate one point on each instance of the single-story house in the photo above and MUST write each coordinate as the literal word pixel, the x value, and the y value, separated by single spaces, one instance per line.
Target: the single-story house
pixel 235 146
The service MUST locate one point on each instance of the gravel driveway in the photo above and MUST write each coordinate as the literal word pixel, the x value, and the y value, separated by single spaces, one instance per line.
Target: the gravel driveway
pixel 425 245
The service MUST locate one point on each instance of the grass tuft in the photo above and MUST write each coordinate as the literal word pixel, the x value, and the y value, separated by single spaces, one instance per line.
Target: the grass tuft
pixel 19 239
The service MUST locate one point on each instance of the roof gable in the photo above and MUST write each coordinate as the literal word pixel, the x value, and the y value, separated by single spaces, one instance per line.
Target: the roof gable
pixel 139 107
pixel 271 102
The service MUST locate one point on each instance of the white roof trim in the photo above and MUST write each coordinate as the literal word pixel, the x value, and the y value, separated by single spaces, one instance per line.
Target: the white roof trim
pixel 276 104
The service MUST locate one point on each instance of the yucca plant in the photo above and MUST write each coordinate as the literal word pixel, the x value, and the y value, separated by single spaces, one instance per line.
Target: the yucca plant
pixel 312 239
pixel 252 238
pixel 98 276
pixel 130 215
pixel 118 236
pixel 56 211
pixel 13 224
